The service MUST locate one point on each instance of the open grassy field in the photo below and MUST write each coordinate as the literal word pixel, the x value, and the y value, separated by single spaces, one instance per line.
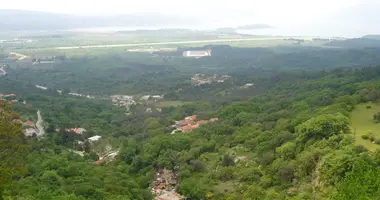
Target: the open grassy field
pixel 361 119
pixel 168 104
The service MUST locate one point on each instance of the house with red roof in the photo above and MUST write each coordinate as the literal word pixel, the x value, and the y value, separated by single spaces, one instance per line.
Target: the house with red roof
pixel 78 130
pixel 185 122
pixel 202 122
pixel 99 162
pixel 28 123
pixel 10 95
pixel 190 123
pixel 192 117
pixel 186 128
pixel 195 126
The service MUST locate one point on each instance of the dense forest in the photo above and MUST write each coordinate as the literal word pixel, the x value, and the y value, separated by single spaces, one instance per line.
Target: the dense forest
pixel 290 136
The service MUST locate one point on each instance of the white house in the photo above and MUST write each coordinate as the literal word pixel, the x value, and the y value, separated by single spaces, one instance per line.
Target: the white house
pixel 197 54
pixel 94 138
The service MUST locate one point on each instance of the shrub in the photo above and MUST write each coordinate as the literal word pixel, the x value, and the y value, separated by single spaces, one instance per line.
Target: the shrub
pixel 377 141
pixel 376 117
pixel 371 138
pixel 365 136
pixel 368 107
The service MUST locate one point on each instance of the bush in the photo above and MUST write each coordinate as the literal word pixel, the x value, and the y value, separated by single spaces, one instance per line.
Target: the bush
pixel 371 138
pixel 226 174
pixel 376 117
pixel 377 141
pixel 365 136
pixel 368 107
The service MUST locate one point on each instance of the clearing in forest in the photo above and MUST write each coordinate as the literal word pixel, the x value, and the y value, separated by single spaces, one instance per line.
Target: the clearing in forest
pixel 168 104
pixel 362 123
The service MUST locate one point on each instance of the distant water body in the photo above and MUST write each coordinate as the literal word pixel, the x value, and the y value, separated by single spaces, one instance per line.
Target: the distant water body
pixel 298 31
pixel 115 29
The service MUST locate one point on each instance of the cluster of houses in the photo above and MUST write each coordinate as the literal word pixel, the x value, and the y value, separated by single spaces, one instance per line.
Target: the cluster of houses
pixel 71 93
pixel 79 95
pixel 27 61
pixel 79 131
pixel 164 185
pixel 190 123
pixel 105 155
pixel 151 97
pixel 200 79
pixel 8 97
pixel 16 41
pixel 30 128
pixel 127 100
pixel 123 100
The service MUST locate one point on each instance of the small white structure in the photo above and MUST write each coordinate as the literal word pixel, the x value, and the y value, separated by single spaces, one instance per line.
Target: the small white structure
pixel 30 132
pixel 248 85
pixel 94 138
pixel 197 54
pixel 145 98
pixel 157 97
pixel 41 87
pixel 59 92
pixel 82 95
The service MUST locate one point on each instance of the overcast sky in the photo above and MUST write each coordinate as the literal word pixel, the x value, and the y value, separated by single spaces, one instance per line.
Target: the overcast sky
pixel 297 17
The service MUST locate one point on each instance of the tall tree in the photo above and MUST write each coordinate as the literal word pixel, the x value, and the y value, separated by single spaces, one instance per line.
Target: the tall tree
pixel 12 149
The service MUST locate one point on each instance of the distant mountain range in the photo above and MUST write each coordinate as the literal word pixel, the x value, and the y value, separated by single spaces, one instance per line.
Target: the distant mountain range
pixel 363 42
pixel 244 27
pixel 11 20
pixel 254 26
pixel 374 37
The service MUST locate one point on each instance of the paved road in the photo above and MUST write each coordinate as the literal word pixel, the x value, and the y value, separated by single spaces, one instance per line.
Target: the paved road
pixel 40 128
pixel 2 72
pixel 22 56
pixel 177 42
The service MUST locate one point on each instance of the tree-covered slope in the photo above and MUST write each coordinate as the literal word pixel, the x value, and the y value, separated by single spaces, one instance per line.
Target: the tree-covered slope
pixel 292 142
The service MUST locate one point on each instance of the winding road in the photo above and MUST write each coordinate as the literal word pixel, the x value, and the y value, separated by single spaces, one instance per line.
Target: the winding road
pixel 40 128
pixel 22 56
pixel 2 72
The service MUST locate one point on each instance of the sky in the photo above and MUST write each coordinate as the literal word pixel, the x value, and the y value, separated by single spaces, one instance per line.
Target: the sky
pixel 290 17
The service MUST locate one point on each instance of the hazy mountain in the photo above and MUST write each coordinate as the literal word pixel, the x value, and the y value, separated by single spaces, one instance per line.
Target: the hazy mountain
pixel 356 43
pixel 32 20
pixel 374 37
pixel 245 27
pixel 254 26
pixel 226 30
